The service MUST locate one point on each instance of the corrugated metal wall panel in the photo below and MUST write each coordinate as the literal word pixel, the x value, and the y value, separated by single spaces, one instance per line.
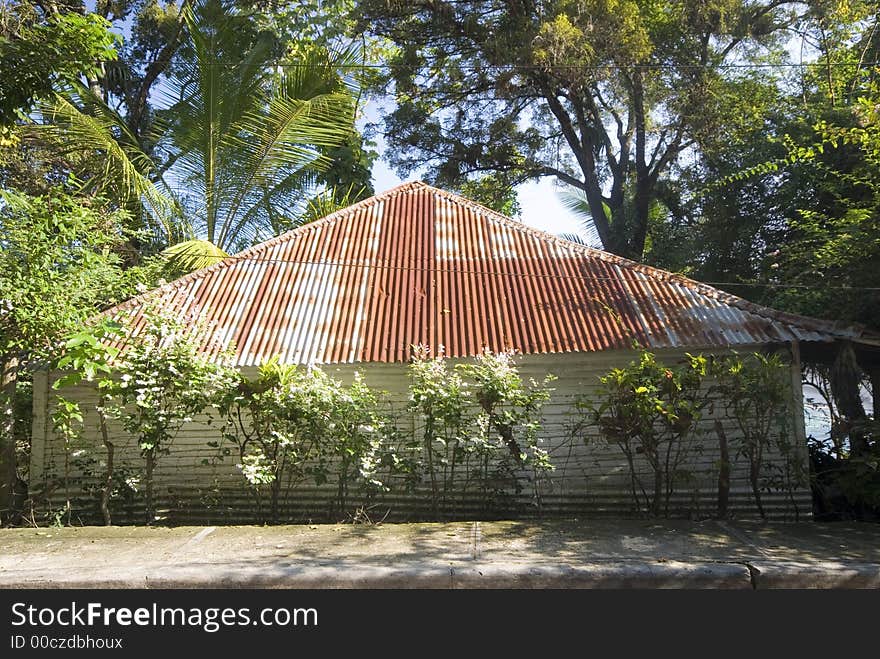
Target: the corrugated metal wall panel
pixel 589 479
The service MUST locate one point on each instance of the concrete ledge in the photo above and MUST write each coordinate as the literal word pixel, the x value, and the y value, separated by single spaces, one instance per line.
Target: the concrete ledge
pixel 308 577
pixel 234 576
pixel 470 555
pixel 629 575
pixel 821 574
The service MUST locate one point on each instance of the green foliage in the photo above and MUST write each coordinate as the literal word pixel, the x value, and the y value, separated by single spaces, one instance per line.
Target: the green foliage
pixel 251 119
pixel 849 486
pixel 289 425
pixel 786 208
pixel 246 138
pixel 67 423
pixel 510 406
pixel 493 191
pixel 833 236
pixel 449 444
pixel 331 200
pixel 604 95
pixel 58 266
pixel 161 381
pixel 88 356
pixel 755 391
pixel 190 255
pixel 78 123
pixel 359 451
pixel 480 427
pixel 651 412
pixel 36 55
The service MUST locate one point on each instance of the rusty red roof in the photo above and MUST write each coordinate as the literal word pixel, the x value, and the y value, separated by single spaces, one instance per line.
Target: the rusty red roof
pixel 417 265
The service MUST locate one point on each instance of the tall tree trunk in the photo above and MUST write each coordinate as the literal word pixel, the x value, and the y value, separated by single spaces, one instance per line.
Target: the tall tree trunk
pixel 137 104
pixel 8 466
pixel 641 215
pixel 846 379
pixel 635 243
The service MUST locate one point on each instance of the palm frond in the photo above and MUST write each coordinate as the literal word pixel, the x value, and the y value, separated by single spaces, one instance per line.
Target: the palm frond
pixel 246 137
pixel 273 211
pixel 126 168
pixel 284 139
pixel 329 201
pixel 191 255
pixel 575 201
pixel 576 238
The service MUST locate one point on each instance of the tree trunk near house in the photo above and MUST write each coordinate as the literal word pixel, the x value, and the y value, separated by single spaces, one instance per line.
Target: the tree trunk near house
pixel 151 463
pixel 755 459
pixel 107 490
pixel 846 379
pixel 428 441
pixel 276 495
pixel 723 470
pixel 8 465
pixel 658 492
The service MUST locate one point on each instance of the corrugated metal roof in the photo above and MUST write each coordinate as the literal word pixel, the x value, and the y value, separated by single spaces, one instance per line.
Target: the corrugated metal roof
pixel 417 265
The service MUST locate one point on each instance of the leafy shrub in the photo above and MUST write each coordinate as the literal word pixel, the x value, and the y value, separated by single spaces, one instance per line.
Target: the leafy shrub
pixel 480 426
pixel 756 393
pixel 162 380
pixel 292 424
pixel 650 411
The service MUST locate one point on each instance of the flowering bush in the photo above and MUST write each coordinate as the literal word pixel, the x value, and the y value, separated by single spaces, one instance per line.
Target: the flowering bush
pixel 650 411
pixel 480 425
pixel 163 380
pixel 291 424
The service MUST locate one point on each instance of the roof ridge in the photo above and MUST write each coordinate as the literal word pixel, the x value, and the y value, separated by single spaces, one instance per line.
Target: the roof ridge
pixel 271 242
pixel 807 322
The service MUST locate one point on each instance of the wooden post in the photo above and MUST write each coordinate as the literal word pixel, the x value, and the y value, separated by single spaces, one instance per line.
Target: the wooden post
pixel 8 466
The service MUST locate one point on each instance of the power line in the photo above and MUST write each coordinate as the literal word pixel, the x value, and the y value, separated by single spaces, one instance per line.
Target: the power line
pixel 544 67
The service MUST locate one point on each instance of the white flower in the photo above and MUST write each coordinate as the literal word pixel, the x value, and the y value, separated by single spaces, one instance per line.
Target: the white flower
pixel 140 287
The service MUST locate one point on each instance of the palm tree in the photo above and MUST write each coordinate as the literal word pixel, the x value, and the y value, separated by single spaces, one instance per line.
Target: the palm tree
pixel 576 202
pixel 244 138
pixel 77 122
pixel 238 145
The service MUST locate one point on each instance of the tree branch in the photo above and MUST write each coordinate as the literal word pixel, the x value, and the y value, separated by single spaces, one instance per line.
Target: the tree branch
pixel 584 155
pixel 546 170
pixel 154 70
pixel 599 128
